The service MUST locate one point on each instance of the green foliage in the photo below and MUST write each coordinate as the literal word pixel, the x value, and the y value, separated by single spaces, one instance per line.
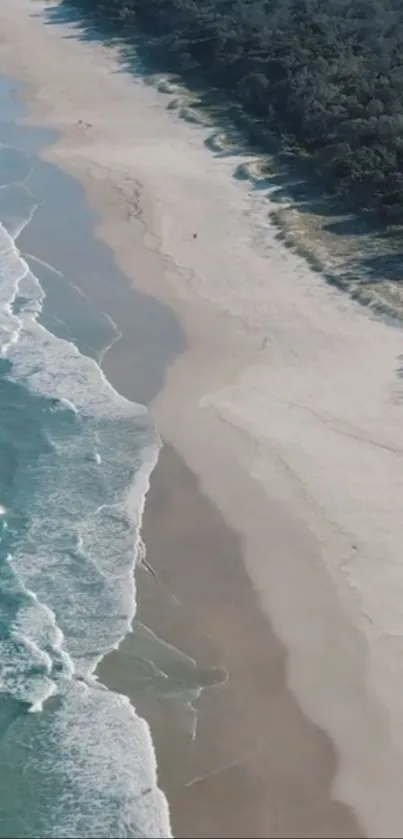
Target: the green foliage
pixel 328 75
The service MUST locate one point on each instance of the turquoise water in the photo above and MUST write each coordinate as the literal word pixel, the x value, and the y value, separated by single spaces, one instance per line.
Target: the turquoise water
pixel 75 460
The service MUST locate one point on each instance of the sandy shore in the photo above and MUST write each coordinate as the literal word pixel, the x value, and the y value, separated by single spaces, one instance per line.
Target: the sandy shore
pixel 257 767
pixel 287 408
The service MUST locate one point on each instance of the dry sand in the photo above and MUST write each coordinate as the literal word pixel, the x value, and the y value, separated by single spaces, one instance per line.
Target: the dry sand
pixel 288 407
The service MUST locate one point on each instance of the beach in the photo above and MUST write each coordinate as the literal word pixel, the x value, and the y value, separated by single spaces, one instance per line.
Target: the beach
pixel 272 524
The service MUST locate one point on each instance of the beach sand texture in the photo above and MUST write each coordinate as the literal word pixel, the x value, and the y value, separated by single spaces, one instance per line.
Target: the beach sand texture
pixel 287 405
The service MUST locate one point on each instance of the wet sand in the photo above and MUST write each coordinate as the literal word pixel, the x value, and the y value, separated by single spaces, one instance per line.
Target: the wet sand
pixel 257 767
pixel 250 522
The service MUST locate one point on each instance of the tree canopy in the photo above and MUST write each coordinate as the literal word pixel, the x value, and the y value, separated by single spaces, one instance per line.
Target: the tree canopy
pixel 326 75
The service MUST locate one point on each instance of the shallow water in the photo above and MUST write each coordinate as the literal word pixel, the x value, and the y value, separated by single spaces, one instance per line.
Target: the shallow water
pixel 75 461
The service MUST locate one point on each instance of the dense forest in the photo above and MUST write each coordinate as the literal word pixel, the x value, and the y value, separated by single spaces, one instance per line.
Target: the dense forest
pixel 327 75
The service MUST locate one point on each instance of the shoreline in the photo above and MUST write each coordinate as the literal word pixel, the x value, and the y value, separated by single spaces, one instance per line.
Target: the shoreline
pixel 227 754
pixel 328 660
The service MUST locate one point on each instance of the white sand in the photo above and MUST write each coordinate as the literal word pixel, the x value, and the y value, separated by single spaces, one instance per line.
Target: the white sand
pixel 299 444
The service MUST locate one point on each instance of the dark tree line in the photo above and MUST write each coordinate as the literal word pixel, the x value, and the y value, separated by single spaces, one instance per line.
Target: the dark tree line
pixel 325 74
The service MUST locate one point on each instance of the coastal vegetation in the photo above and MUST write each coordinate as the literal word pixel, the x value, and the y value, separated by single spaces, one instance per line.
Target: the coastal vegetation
pixel 324 77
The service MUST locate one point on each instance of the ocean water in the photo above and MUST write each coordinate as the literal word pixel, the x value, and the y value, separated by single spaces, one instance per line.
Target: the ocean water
pixel 75 461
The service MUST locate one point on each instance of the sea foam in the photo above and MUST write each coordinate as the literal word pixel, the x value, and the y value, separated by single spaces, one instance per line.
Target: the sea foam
pixel 71 529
